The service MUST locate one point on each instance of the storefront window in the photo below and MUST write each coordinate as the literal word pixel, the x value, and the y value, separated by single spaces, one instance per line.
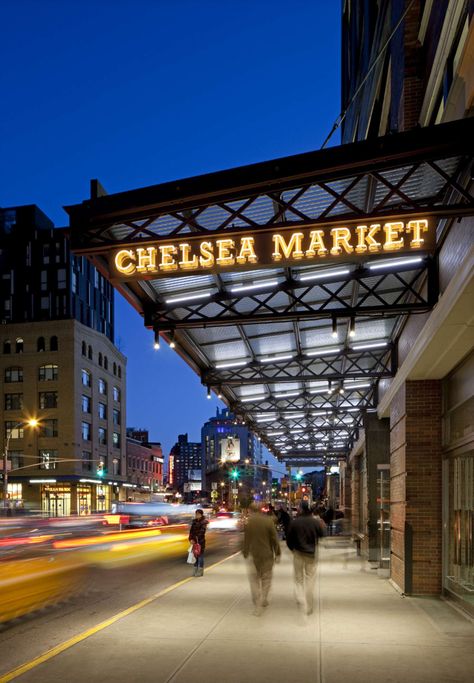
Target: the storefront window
pixel 15 495
pixel 458 394
pixel 56 500
pixel 84 500
pixel 102 498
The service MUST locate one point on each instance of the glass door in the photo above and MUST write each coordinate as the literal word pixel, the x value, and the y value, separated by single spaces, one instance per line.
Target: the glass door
pixel 383 522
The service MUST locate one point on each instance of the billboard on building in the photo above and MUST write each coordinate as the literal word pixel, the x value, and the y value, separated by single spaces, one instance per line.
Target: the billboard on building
pixel 230 449
pixel 191 486
pixel 194 475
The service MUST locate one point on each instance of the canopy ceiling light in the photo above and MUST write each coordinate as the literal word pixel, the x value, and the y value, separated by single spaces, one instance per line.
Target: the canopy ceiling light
pixel 260 285
pixel 323 275
pixel 394 263
pixel 250 399
pixel 369 345
pixel 357 385
pixel 274 359
pixel 324 352
pixel 231 364
pixel 188 297
pixel 352 331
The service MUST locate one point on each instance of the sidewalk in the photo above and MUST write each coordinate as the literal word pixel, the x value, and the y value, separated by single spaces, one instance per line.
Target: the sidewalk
pixel 204 631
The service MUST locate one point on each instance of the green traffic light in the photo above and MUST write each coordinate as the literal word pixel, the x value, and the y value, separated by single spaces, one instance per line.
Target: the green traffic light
pixel 234 474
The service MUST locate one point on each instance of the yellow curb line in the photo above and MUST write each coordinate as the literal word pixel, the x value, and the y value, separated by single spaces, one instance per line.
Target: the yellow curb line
pixel 49 654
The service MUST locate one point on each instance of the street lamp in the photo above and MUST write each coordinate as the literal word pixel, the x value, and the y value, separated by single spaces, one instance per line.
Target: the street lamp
pixel 33 422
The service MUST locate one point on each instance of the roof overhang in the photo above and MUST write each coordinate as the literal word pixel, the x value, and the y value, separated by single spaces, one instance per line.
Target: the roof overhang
pixel 260 274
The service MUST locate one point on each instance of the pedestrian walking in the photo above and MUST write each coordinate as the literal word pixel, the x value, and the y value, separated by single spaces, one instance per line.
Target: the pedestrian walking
pixel 262 548
pixel 284 520
pixel 197 536
pixel 302 539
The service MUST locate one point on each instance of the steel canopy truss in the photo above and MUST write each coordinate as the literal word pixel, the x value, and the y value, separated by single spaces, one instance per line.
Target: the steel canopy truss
pixel 393 292
pixel 415 172
pixel 359 365
pixel 270 350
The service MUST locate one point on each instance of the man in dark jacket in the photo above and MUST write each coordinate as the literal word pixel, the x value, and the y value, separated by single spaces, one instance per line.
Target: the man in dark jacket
pixel 302 538
pixel 261 545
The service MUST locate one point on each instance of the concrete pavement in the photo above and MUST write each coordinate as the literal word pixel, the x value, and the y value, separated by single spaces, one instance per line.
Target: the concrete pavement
pixel 204 630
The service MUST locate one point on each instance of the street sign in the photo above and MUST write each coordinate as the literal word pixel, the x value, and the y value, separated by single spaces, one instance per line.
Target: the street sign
pixel 235 491
pixel 214 485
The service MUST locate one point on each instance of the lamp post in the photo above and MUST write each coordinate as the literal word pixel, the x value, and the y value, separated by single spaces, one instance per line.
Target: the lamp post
pixel 24 423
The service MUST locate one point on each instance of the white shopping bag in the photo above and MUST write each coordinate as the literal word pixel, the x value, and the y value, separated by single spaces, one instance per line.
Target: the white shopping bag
pixel 191 559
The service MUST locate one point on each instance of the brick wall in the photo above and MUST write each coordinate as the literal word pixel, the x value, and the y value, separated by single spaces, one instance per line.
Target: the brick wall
pixel 415 491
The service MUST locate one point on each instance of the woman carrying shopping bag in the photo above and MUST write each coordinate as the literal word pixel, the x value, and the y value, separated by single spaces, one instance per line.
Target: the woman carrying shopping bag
pixel 197 536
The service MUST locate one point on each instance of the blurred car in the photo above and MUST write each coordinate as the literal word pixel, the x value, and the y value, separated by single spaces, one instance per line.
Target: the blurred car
pixel 225 521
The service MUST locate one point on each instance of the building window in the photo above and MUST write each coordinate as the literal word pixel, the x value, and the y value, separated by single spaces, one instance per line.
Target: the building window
pixel 13 374
pixel 102 411
pixel 19 345
pixel 102 387
pixel 48 399
pixel 106 363
pixel 16 459
pixel 116 416
pixel 53 343
pixel 61 278
pixel 89 353
pixel 13 401
pixel 48 428
pixel 86 431
pixel 7 346
pixel 119 371
pixel 115 466
pixel 45 253
pixel 84 348
pixel 13 430
pixel 116 394
pixel 48 373
pixel 44 280
pixel 74 282
pixel 100 359
pixel 40 344
pixel 116 440
pixel 86 404
pixel 86 461
pixel 102 436
pixel 48 459
pixel 115 368
pixel 86 378
pixel 45 303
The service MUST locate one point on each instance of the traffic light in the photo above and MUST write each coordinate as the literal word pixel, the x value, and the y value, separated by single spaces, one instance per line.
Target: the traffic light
pixel 101 471
pixel 235 474
pixel 298 476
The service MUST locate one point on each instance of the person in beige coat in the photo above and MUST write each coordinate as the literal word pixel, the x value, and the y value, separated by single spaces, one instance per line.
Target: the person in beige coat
pixel 262 548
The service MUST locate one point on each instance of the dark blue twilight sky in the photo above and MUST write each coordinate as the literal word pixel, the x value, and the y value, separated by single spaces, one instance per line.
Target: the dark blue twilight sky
pixel 137 92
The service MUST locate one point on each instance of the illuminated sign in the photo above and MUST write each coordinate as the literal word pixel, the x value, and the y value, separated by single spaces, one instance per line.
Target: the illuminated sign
pixel 230 449
pixel 304 244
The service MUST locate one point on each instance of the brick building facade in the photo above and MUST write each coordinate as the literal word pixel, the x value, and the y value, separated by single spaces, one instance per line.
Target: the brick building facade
pixel 412 483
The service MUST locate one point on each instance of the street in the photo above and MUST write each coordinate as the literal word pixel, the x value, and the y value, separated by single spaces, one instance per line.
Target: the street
pixel 106 592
